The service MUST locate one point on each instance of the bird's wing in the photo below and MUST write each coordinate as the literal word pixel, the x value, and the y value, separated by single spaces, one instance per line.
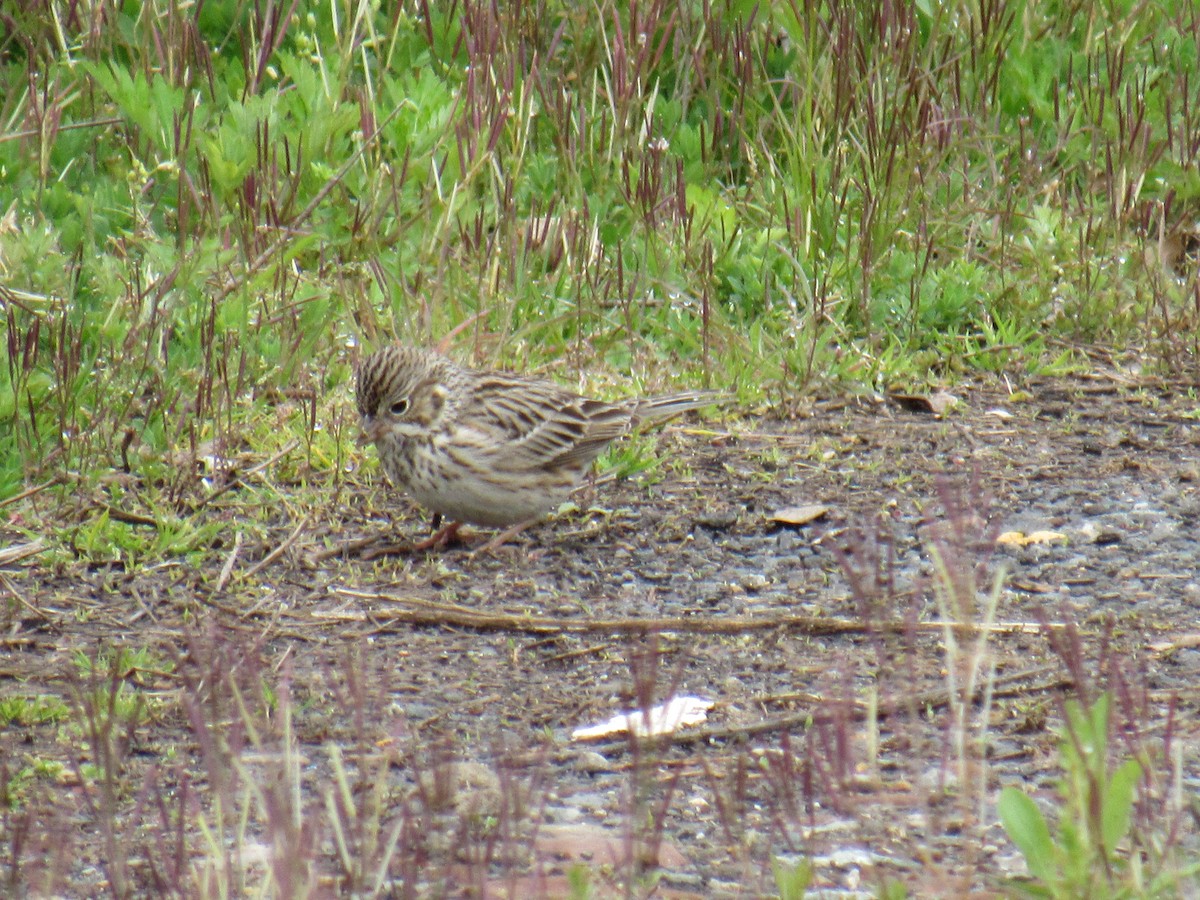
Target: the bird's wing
pixel 529 424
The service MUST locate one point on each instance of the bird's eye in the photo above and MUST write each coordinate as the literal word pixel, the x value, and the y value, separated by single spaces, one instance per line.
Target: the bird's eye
pixel 399 408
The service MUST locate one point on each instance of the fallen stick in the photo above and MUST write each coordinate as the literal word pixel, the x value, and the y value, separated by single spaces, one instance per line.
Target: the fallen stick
pixel 418 611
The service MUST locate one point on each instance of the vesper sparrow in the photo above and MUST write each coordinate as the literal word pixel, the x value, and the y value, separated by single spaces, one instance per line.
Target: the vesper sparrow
pixel 489 448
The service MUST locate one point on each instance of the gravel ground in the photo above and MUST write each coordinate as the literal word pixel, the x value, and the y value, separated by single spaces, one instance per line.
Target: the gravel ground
pixel 447 686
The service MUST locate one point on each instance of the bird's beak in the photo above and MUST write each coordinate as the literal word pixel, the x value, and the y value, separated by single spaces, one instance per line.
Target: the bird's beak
pixel 369 429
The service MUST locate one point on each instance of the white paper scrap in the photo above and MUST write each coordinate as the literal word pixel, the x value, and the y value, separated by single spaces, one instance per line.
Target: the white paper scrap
pixel 662 719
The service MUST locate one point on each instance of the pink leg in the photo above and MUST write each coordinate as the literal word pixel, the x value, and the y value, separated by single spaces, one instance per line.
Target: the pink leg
pixel 504 536
pixel 445 535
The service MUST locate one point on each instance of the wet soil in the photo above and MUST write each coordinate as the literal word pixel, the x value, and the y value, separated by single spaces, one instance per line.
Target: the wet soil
pixel 836 653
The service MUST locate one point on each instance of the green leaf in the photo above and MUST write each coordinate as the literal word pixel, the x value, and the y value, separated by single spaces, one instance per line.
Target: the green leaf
pixel 792 879
pixel 1027 827
pixel 1118 804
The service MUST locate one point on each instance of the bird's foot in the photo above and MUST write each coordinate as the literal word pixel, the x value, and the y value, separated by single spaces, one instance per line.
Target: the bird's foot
pixel 502 538
pixel 443 537
pixel 446 536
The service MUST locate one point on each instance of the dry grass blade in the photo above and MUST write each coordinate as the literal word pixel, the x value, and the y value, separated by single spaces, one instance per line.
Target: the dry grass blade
pixel 17 552
pixel 278 551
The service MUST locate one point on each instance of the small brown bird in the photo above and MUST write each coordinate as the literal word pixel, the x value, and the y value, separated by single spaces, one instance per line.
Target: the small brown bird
pixel 489 448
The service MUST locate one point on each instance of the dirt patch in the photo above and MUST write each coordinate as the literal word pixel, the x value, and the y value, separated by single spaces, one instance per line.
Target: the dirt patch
pixel 450 684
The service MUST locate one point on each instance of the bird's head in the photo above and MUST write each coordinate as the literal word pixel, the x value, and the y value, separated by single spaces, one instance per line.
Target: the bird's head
pixel 401 392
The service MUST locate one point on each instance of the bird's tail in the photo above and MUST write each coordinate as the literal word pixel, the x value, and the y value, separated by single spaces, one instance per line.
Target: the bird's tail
pixel 655 409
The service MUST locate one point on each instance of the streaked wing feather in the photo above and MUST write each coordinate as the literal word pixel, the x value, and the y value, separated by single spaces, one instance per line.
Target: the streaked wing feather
pixel 605 422
pixel 525 424
pixel 538 425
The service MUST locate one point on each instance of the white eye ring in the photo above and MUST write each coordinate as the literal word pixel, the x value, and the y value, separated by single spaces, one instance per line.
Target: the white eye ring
pixel 399 408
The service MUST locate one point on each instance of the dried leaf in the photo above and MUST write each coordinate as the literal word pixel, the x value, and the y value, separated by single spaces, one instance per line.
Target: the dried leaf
pixel 942 402
pixel 1045 537
pixel 1020 539
pixel 1031 587
pixel 799 515
pixel 938 403
pixel 1185 642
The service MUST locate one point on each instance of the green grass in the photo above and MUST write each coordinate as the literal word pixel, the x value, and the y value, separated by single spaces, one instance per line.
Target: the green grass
pixel 209 215
pixel 32 710
pixel 1087 854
